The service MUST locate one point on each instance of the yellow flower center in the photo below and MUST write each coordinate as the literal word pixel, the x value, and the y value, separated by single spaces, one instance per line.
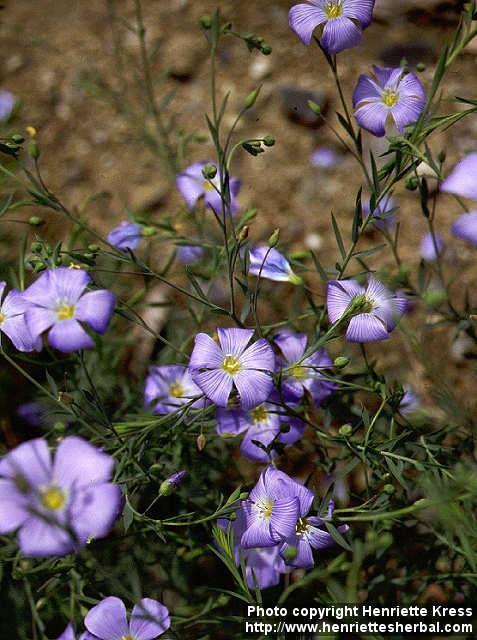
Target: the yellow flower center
pixel 259 414
pixel 65 311
pixel 333 10
pixel 53 498
pixel 2 317
pixel 207 186
pixel 231 365
pixel 176 390
pixel 129 637
pixel 299 372
pixel 266 508
pixel 390 97
pixel 301 526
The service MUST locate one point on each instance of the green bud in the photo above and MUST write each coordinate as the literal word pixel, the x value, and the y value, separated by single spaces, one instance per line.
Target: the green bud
pixel 94 248
pixel 243 496
pixel 59 427
pixel 201 441
pixel 291 553
pixel 148 232
pixel 385 540
pixel 206 22
pixel 268 141
pixel 341 362
pixel 412 183
pixel 40 603
pixel 315 107
pixel 232 516
pixel 33 149
pixel 251 98
pixel 166 488
pixel 243 235
pixel 389 489
pixel 88 256
pixel 223 599
pixel 209 171
pixel 266 49
pixel 346 430
pixel 420 66
pixel 435 297
pixel 155 469
pixel 18 138
pixel 442 156
pixel 35 221
pixel 274 238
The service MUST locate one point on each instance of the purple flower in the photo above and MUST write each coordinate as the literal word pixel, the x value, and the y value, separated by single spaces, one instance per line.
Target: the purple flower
pixel 56 302
pixel 217 369
pixel 272 509
pixel 410 401
pixel 127 236
pixel 325 158
pixel 374 311
pixel 189 254
pixel 465 227
pixel 431 246
pixel 384 215
pixel 56 507
pixel 342 20
pixel 192 186
pixel 300 375
pixel 108 620
pixel 462 180
pixel 394 92
pixel 12 320
pixel 264 565
pixel 262 424
pixel 7 103
pixel 269 263
pixel 297 550
pixel 68 633
pixel 170 387
pixel 33 413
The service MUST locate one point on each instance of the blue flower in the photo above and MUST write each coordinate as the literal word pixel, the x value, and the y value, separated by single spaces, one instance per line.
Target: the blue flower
pixel 266 262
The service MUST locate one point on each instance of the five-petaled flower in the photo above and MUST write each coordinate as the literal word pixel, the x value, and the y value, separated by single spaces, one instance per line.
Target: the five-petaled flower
pixel 57 506
pixel 127 236
pixel 343 22
pixel 299 375
pixel 268 263
pixel 170 387
pixel 218 369
pixel 374 310
pixel 193 185
pixel 57 302
pixel 12 320
pixel 108 620
pixel 463 183
pixel 392 93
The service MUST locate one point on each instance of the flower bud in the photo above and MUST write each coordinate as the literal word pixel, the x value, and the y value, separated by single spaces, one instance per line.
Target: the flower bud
pixel 346 430
pixel 435 297
pixel 420 66
pixel 268 141
pixel 148 232
pixel 273 239
pixel 389 489
pixel 209 171
pixel 315 107
pixel 94 248
pixel 412 183
pixel 205 22
pixel 16 137
pixel 31 131
pixel 243 235
pixel 201 441
pixel 341 362
pixel 155 469
pixel 442 156
pixel 266 49
pixel 243 496
pixel 170 484
pixel 251 98
pixel 35 221
pixel 290 554
pixel 33 149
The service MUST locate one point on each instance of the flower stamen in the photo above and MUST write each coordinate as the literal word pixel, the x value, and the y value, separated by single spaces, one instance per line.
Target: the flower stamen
pixel 231 364
pixel 65 311
pixel 390 97
pixel 259 414
pixel 176 390
pixel 53 498
pixel 333 10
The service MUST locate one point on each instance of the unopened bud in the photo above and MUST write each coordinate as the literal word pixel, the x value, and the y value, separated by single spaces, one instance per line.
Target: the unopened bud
pixel 442 156
pixel 341 362
pixel 171 483
pixel 243 495
pixel 268 141
pixel 148 232
pixel 315 107
pixel 251 98
pixel 209 171
pixel 35 221
pixel 31 131
pixel 155 469
pixel 33 149
pixel 243 235
pixel 346 430
pixel 420 66
pixel 274 238
pixel 388 488
pixel 206 22
pixel 94 248
pixel 16 137
pixel 201 441
pixel 266 49
pixel 290 553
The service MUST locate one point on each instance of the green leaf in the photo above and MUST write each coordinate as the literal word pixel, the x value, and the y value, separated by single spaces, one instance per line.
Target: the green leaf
pixel 338 236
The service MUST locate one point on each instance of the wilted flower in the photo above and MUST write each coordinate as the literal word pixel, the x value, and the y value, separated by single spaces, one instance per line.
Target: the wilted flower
pixel 127 236
pixel 188 254
pixel 374 310
pixel 56 302
pixel 269 263
pixel 192 186
pixel 297 551
pixel 342 20
pixel 462 180
pixel 325 158
pixel 57 506
pixel 169 387
pixel 394 92
pixel 7 103
pixel 12 320
pixel 300 375
pixel 217 369
pixel 108 620
pixel 272 509
pixel 431 246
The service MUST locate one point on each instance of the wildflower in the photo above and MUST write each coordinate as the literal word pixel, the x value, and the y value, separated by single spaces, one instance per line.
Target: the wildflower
pixel 127 236
pixel 68 634
pixel 192 186
pixel 56 302
pixel 302 375
pixel 189 254
pixel 325 158
pixel 263 565
pixel 431 246
pixel 342 20
pixel 12 321
pixel 410 401
pixel 261 424
pixel 465 227
pixel 56 507
pixel 462 180
pixel 108 620
pixel 173 482
pixel 394 92
pixel 384 215
pixel 7 104
pixel 268 263
pixel 297 550
pixel 33 413
pixel 375 311
pixel 272 509
pixel 170 387
pixel 217 369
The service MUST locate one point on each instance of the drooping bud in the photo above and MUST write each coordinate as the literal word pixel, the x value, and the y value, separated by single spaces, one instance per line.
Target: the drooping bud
pixel 201 441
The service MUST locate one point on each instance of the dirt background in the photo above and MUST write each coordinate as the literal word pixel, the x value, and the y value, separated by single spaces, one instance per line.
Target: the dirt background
pixel 52 49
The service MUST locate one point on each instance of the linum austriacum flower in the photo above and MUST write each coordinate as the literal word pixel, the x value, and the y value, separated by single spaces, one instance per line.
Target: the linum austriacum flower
pixel 57 304
pixel 193 185
pixel 169 387
pixel 218 368
pixel 57 506
pixel 342 20
pixel 12 320
pixel 266 262
pixel 462 182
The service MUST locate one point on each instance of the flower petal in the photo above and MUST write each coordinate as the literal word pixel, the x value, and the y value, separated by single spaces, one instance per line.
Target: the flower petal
pixel 234 341
pixel 462 179
pixel 231 422
pixel 253 386
pixel 372 116
pixel 465 227
pixel 366 89
pixel 38 320
pixel 292 345
pixel 191 183
pixel 38 538
pixel 206 353
pixel 361 10
pixel 68 336
pixel 366 327
pixel 94 511
pixel 30 460
pixel 216 384
pixel 259 355
pixel 303 19
pixel 80 464
pixel 107 620
pixel 340 34
pixel 95 308
pixel 17 330
pixel 149 619
pixel 13 507
pixel 338 296
pixel 284 516
pixel 406 112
